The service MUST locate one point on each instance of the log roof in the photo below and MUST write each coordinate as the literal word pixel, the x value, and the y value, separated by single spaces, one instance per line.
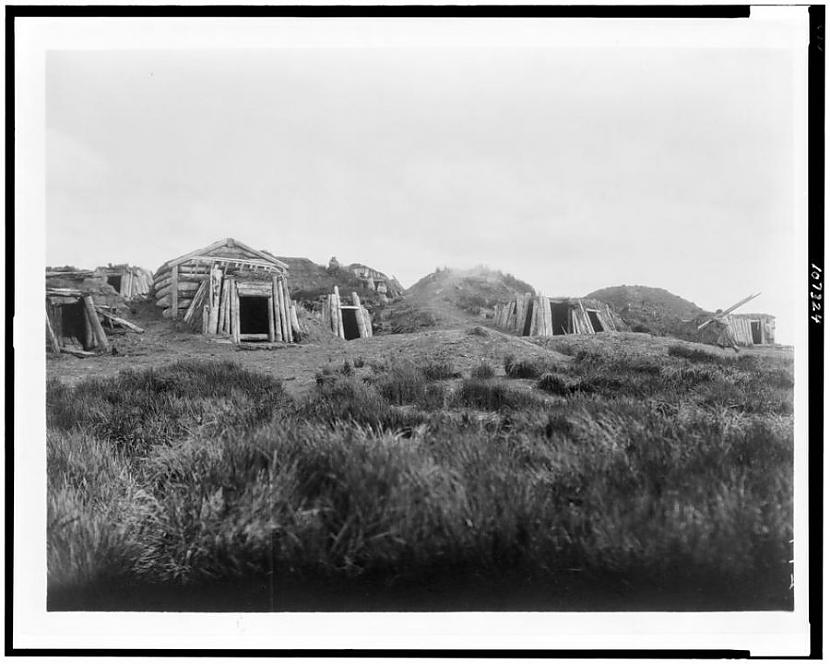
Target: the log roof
pixel 213 253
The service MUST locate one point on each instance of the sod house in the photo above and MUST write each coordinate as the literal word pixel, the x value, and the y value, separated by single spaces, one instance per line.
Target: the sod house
pixel 229 288
pixel 531 316
pixel 81 308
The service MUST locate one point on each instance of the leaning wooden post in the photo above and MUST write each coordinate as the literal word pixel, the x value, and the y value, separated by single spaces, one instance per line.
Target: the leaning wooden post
pixel 286 299
pixel 283 315
pixel 53 339
pixel 295 321
pixel 275 304
pixel 97 330
pixel 340 331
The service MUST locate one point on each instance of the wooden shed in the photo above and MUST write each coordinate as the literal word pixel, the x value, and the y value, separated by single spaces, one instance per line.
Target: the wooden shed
pixel 80 307
pixel 129 281
pixel 229 288
pixel 530 315
pixel 347 321
pixel 752 329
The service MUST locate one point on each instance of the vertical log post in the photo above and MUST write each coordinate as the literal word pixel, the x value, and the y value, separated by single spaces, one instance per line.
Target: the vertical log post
pixel 235 312
pixel 213 301
pixel 223 299
pixel 271 334
pixel 283 315
pixel 361 322
pixel 275 304
pixel 97 330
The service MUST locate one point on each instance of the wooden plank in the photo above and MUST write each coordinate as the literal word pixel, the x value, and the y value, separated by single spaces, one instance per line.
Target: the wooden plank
pixel 253 337
pixel 77 353
pixel 205 319
pixel 97 330
pixel 53 339
pixel 119 321
pixel 547 317
pixel 174 291
pixel 255 288
pixel 534 318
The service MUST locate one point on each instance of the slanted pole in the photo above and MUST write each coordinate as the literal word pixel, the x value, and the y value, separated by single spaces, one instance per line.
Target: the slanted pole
pixel 340 331
pixel 97 330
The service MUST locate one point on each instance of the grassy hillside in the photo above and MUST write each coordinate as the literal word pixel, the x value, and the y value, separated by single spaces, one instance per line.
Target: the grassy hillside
pixel 309 281
pixel 450 298
pixel 653 310
pixel 597 480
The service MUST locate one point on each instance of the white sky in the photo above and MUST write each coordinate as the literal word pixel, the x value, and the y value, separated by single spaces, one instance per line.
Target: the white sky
pixel 572 164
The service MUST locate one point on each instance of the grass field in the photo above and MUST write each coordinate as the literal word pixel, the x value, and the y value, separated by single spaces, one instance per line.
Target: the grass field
pixel 604 483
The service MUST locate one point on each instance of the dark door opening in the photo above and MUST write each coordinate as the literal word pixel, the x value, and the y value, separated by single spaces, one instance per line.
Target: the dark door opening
pixel 528 319
pixel 594 318
pixel 253 314
pixel 756 331
pixel 115 281
pixel 350 328
pixel 74 324
pixel 559 317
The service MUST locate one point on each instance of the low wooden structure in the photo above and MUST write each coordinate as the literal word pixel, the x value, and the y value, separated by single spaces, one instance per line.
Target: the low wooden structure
pixel 229 288
pixel 80 307
pixel 129 281
pixel 531 316
pixel 752 329
pixel 347 321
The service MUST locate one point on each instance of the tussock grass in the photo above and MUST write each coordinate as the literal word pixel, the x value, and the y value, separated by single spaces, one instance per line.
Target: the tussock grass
pixel 439 371
pixel 483 370
pixel 638 478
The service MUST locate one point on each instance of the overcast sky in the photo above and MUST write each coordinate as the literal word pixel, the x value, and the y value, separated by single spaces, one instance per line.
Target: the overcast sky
pixel 572 168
